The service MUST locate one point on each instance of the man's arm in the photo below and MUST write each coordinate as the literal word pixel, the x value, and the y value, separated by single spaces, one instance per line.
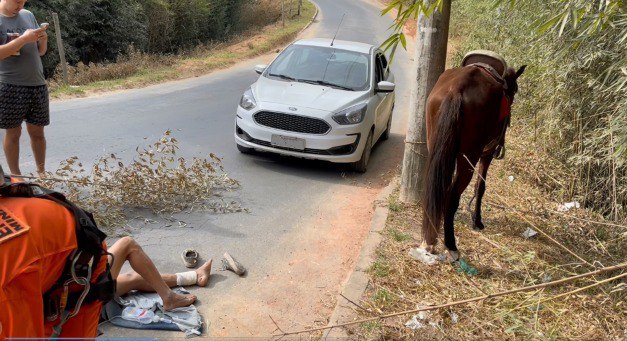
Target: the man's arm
pixel 30 36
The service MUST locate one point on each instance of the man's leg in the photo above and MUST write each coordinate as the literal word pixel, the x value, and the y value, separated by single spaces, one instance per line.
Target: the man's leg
pixel 12 149
pixel 134 281
pixel 38 144
pixel 128 249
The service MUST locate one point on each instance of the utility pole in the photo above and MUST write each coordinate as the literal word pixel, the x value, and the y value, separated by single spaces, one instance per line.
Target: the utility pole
pixel 430 61
pixel 57 31
pixel 283 12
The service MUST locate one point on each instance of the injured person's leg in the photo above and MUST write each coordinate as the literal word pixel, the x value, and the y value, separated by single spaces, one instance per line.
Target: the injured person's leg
pixel 134 281
pixel 146 276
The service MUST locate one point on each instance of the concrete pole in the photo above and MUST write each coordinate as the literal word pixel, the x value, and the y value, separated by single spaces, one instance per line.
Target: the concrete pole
pixel 283 12
pixel 57 31
pixel 430 60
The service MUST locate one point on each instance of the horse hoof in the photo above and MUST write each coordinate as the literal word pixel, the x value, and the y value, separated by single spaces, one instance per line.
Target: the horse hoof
pixel 453 256
pixel 477 225
pixel 428 248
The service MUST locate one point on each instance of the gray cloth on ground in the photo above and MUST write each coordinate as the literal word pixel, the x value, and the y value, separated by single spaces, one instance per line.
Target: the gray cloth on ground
pixel 186 318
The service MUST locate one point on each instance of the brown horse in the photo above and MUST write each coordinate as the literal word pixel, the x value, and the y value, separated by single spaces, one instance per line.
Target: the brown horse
pixel 464 125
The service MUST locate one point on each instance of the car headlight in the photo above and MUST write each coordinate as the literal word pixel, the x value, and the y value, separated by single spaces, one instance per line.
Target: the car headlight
pixel 248 100
pixel 351 115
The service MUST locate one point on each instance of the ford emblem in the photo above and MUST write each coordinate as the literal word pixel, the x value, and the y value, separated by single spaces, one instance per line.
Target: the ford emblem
pixel 293 109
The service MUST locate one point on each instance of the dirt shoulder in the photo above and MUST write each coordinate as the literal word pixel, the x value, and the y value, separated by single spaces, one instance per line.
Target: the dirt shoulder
pixel 139 70
pixel 504 259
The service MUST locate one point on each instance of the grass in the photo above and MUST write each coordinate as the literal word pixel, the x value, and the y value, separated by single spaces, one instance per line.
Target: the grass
pixel 380 268
pixel 399 236
pixel 504 260
pixel 138 69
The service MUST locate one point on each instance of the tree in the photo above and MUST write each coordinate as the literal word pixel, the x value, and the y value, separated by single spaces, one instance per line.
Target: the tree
pixel 432 37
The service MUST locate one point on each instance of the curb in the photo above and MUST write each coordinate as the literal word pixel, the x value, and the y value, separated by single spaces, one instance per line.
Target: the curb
pixel 359 279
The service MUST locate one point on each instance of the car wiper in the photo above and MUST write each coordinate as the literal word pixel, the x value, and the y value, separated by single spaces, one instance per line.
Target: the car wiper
pixel 321 82
pixel 282 76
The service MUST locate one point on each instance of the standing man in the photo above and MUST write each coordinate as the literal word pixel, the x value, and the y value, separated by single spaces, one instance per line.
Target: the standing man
pixel 23 88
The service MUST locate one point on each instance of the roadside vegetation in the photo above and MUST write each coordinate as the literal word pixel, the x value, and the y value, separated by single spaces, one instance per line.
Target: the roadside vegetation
pixel 114 45
pixel 567 143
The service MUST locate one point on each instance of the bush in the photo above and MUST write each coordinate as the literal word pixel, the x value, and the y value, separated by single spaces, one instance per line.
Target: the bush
pixel 573 97
pixel 100 31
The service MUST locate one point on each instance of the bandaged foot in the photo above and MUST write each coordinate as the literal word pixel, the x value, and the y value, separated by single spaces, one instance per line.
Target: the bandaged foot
pixel 186 278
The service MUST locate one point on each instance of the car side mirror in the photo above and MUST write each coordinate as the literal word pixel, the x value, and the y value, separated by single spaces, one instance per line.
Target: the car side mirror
pixel 260 68
pixel 385 87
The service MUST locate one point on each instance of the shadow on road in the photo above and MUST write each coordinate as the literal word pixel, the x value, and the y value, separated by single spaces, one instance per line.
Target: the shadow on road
pixel 383 162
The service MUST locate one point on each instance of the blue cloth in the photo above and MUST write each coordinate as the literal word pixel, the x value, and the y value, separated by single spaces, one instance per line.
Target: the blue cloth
pixel 112 312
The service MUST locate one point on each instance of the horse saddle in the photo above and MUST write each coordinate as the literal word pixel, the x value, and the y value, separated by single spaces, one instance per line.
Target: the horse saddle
pixel 494 65
pixel 494 60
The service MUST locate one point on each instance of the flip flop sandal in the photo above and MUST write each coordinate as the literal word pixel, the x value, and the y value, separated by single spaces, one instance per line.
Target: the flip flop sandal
pixel 229 263
pixel 190 258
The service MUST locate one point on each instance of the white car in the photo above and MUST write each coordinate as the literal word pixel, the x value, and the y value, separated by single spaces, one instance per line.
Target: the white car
pixel 319 100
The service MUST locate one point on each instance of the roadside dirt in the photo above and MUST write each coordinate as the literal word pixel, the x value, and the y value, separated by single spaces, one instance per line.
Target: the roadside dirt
pixel 308 269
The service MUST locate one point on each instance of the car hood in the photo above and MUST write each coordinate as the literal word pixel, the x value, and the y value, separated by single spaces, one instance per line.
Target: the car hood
pixel 304 95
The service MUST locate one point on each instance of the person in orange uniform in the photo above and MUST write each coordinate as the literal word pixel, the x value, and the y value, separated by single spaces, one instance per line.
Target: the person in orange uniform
pixel 36 237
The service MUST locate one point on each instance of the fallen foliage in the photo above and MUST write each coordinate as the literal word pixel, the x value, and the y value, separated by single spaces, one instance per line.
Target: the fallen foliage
pixel 155 180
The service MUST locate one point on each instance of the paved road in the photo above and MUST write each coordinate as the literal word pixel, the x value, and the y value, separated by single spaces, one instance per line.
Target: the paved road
pixel 292 202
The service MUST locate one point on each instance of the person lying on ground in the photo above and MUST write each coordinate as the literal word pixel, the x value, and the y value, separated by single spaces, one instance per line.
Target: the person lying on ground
pixel 145 276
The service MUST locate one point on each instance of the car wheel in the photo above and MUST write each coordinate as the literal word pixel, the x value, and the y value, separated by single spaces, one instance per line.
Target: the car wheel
pixel 386 133
pixel 244 150
pixel 361 165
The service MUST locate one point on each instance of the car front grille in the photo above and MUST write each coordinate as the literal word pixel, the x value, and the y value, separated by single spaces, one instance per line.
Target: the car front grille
pixel 340 150
pixel 294 123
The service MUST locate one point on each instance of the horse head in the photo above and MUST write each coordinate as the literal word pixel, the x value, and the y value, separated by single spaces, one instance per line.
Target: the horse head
pixel 511 77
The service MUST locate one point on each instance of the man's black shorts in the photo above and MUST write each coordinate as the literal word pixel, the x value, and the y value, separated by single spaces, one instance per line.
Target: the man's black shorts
pixel 23 103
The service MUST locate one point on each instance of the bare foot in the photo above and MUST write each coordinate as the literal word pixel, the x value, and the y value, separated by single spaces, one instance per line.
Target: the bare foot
pixel 175 300
pixel 204 271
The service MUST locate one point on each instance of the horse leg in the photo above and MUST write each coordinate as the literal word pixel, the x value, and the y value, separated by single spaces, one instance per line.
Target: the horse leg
pixel 460 182
pixel 484 164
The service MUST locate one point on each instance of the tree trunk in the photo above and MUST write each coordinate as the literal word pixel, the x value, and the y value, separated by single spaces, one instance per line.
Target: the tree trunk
pixel 430 60
pixel 300 4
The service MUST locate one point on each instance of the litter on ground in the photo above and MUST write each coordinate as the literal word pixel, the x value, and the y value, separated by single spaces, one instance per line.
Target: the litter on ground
pixel 529 232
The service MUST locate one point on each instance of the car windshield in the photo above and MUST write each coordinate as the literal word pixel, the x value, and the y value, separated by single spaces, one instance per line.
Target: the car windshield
pixel 326 66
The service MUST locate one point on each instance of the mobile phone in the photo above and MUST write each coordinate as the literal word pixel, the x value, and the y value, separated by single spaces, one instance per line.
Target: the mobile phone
pixel 44 25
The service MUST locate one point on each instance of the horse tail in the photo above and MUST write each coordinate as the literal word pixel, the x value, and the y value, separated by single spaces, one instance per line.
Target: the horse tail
pixel 441 166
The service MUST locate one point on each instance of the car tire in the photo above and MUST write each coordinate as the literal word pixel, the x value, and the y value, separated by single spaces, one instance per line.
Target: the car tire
pixel 244 150
pixel 362 165
pixel 386 133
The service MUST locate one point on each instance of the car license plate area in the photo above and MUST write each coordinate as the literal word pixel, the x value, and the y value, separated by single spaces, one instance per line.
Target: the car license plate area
pixel 288 142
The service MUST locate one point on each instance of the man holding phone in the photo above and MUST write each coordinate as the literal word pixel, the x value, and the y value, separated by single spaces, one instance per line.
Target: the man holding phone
pixel 23 87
